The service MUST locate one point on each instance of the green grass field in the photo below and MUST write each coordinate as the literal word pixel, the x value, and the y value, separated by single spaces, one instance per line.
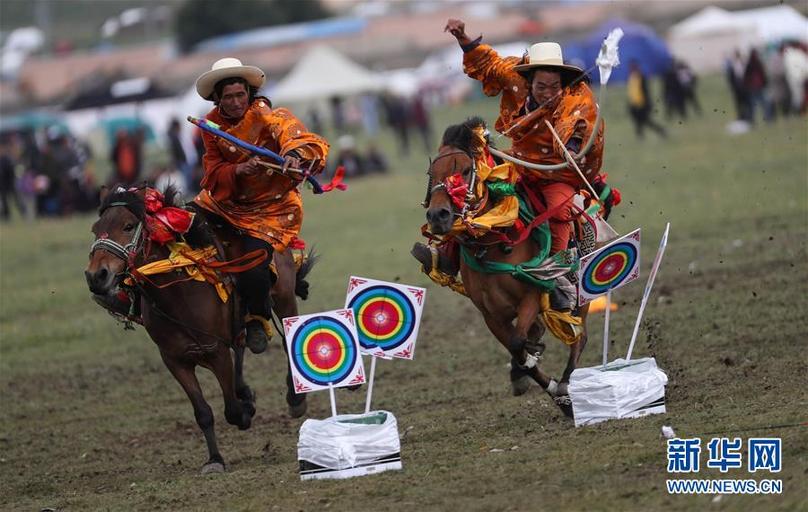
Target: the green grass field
pixel 91 420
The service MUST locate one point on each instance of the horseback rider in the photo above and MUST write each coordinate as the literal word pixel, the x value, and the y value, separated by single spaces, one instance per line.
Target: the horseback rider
pixel 536 87
pixel 265 206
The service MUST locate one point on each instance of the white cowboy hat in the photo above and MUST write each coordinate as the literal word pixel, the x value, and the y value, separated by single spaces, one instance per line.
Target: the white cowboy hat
pixel 547 55
pixel 228 68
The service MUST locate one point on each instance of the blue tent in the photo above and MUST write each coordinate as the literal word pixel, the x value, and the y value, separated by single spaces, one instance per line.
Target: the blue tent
pixel 639 43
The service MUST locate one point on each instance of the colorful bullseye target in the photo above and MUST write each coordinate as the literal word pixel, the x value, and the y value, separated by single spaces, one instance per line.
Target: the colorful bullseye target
pixel 387 316
pixel 323 350
pixel 609 268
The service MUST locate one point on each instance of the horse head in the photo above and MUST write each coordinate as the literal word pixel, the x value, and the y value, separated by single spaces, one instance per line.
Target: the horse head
pixel 118 237
pixel 452 174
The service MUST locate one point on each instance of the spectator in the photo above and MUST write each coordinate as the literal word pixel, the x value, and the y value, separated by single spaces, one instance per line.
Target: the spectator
pixel 795 61
pixel 369 105
pixel 60 165
pixel 639 102
pixel 179 159
pixel 375 161
pixel 337 113
pixel 8 182
pixel 421 119
pixel 398 120
pixel 755 82
pixel 349 158
pixel 673 94
pixel 734 68
pixel 687 84
pixel 125 157
pixel 314 121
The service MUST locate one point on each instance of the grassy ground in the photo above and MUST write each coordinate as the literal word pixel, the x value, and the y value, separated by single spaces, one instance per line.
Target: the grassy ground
pixel 92 421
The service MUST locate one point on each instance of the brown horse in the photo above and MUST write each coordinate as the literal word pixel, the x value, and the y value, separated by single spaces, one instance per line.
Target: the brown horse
pixel 509 307
pixel 187 320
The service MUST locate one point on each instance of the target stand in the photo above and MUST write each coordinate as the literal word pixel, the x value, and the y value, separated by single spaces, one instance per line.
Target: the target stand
pixel 349 445
pixel 324 353
pixel 623 388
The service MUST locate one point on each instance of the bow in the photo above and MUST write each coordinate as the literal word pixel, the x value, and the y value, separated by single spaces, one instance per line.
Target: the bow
pixel 214 129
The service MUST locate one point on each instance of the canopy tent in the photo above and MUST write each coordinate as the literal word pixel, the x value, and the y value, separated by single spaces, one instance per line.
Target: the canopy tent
pixel 705 39
pixel 323 73
pixel 31 121
pixel 101 90
pixel 639 43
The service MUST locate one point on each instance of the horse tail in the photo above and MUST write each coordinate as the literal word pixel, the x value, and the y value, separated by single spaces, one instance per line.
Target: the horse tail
pixel 301 285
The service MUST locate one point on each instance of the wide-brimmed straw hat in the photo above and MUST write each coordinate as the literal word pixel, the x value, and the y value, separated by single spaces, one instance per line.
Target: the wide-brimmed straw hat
pixel 548 56
pixel 228 68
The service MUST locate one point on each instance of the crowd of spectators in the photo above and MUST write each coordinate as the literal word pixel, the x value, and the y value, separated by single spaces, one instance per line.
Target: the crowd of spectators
pixel 773 81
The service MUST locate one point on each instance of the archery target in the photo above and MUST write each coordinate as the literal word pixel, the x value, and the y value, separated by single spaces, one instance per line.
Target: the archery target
pixel 323 350
pixel 387 316
pixel 609 268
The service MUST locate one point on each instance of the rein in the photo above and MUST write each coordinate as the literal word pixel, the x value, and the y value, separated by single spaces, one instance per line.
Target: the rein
pixel 128 253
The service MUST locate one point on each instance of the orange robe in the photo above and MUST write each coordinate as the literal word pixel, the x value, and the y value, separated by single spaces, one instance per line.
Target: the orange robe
pixel 533 141
pixel 268 207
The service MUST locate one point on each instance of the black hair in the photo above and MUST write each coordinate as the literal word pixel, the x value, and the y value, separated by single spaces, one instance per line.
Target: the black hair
pixel 568 76
pixel 221 84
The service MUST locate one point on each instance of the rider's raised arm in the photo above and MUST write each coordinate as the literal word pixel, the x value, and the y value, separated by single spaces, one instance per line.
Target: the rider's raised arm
pixel 482 63
pixel 293 138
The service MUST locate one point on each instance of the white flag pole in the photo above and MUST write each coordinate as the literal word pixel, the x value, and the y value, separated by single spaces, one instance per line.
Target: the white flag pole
pixel 654 268
pixel 606 327
pixel 370 383
pixel 333 399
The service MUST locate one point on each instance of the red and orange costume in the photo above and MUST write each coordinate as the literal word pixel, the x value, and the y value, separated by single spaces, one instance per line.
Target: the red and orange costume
pixel 264 206
pixel 573 115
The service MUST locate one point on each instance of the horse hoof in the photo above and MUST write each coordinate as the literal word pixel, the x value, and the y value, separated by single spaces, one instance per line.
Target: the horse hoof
pixel 249 408
pixel 565 404
pixel 212 468
pixel 298 410
pixel 521 385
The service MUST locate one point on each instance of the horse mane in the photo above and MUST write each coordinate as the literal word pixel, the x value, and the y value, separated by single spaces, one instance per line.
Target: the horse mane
pixel 134 202
pixel 127 197
pixel 199 235
pixel 462 135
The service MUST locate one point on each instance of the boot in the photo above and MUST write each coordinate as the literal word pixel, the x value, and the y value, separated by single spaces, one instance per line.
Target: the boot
pixel 259 331
pixel 426 255
pixel 562 297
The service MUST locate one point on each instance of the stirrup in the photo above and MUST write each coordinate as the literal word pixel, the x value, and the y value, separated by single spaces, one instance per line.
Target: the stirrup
pixel 266 324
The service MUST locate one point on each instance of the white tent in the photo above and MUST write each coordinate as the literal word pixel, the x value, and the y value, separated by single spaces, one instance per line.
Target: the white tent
pixel 705 39
pixel 323 73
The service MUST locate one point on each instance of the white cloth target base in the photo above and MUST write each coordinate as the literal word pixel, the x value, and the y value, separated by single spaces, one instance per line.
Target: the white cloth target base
pixel 621 389
pixel 349 445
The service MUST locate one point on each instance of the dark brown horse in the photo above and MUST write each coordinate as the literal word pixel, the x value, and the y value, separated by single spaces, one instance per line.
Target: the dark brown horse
pixel 187 320
pixel 509 307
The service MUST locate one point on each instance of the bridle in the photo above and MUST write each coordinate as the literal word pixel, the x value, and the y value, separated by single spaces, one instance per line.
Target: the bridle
pixel 124 252
pixel 444 184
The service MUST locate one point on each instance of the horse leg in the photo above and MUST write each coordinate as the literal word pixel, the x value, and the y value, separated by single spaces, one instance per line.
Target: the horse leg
pixel 236 411
pixel 519 343
pixel 285 305
pixel 185 375
pixel 504 333
pixel 243 391
pixel 561 394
